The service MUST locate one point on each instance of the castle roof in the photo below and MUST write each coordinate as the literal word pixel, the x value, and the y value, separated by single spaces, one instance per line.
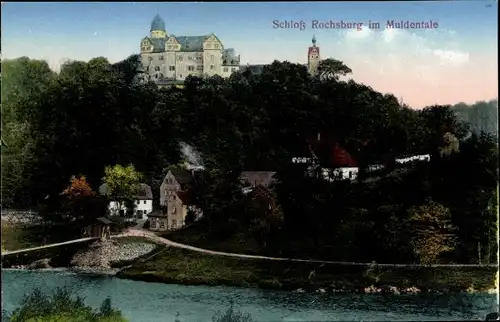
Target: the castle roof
pixel 158 24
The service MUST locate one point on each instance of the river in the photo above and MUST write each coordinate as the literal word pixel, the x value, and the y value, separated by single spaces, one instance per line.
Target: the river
pixel 155 302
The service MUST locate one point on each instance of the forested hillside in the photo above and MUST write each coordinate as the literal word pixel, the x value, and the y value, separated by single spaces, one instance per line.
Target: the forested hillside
pixel 481 116
pixel 95 114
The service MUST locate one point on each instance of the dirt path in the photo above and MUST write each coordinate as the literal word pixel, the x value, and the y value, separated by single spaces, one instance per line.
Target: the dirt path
pixel 168 242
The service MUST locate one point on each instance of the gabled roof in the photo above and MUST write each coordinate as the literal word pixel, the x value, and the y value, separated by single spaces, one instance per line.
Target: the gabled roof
pixel 185 197
pixel 182 176
pixel 264 178
pixel 104 220
pixel 144 193
pixel 191 43
pixel 330 153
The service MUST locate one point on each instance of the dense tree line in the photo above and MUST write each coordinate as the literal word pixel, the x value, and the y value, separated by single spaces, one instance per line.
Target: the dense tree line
pixel 482 116
pixel 95 114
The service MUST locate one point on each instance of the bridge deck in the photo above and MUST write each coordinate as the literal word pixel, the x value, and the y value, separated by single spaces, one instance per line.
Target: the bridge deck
pixel 74 241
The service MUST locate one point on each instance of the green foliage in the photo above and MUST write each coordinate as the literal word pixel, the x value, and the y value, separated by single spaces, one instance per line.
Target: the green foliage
pixel 433 232
pixel 94 114
pixel 38 307
pixel 123 184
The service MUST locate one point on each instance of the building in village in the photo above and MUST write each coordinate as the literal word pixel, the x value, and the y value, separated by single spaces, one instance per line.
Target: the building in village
pixel 336 163
pixel 100 229
pixel 143 202
pixel 169 59
pixel 176 200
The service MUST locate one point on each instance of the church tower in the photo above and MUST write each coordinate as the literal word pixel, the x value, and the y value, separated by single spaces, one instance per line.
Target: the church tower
pixel 158 29
pixel 313 58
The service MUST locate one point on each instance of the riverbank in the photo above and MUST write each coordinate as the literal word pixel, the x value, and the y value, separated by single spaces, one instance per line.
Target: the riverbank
pixel 180 266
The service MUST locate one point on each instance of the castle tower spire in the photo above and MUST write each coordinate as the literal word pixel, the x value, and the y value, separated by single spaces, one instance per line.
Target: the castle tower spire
pixel 313 57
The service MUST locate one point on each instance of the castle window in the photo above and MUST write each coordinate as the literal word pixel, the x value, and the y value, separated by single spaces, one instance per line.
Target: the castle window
pixel 191 68
pixel 171 68
pixel 157 68
pixel 162 57
pixel 217 46
pixel 226 69
pixel 212 67
pixel 147 68
pixel 199 67
pixel 209 45
pixel 161 75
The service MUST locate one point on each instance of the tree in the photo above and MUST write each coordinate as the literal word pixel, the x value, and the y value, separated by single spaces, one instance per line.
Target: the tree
pixel 79 188
pixel 123 183
pixel 332 69
pixel 263 213
pixel 61 306
pixel 434 233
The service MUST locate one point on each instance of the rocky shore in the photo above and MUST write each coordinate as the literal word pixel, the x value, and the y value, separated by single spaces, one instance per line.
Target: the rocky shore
pixel 101 254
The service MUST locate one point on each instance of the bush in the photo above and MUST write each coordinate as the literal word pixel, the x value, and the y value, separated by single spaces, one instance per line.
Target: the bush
pixel 146 225
pixel 231 315
pixel 61 307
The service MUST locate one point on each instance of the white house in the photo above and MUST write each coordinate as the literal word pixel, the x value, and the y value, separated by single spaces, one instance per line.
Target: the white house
pixel 143 202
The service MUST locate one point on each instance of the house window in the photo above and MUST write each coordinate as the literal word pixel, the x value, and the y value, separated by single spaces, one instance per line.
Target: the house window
pixel 180 76
pixel 226 69
pixel 162 57
pixel 174 210
pixel 153 223
pixel 144 202
pixel 191 68
pixel 211 67
pixel 156 76
pixel 174 223
pixel 209 45
pixel 199 67
pixel 162 224
pixel 157 68
pixel 350 174
pixel 190 57
pixel 217 46
pixel 137 202
pixel 171 68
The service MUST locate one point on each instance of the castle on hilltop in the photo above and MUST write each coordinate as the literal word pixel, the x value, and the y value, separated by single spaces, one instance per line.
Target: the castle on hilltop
pixel 169 59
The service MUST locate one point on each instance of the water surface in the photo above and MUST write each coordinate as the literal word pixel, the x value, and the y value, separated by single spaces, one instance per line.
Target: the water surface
pixel 155 302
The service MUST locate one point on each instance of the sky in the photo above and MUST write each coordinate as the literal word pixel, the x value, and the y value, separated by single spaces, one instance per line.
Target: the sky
pixel 455 62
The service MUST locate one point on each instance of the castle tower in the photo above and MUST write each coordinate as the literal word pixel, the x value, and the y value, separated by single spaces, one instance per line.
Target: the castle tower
pixel 158 28
pixel 313 57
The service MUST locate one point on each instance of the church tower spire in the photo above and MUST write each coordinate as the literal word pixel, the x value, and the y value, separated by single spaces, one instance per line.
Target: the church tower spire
pixel 313 58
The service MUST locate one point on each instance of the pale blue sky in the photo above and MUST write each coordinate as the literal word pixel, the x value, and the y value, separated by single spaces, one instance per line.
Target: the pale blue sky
pixel 467 34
